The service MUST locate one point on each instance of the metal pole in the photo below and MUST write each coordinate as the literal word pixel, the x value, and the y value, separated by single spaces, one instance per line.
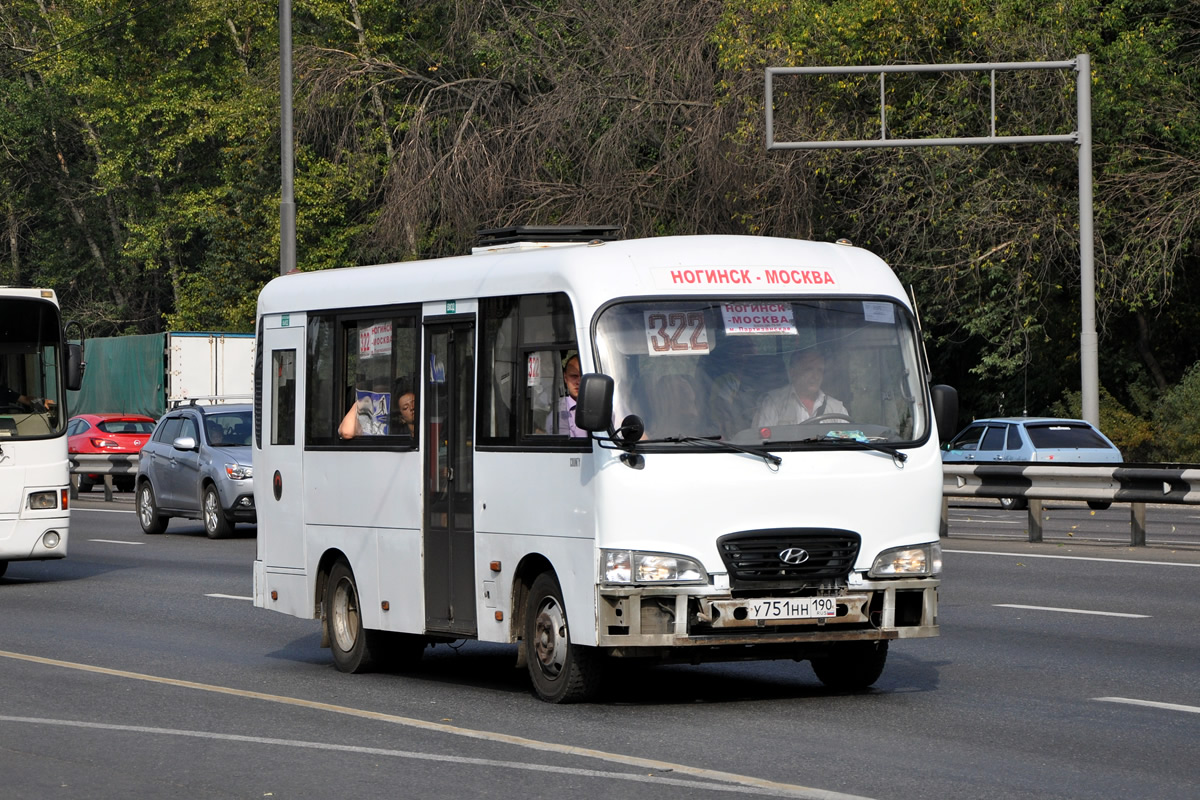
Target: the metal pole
pixel 287 200
pixel 1088 343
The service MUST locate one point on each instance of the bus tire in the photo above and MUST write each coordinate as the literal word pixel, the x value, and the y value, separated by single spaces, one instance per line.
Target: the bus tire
pixel 561 672
pixel 350 643
pixel 3 568
pixel 850 666
pixel 151 520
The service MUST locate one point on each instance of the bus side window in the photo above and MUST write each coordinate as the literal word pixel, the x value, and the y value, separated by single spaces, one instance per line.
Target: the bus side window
pixel 523 342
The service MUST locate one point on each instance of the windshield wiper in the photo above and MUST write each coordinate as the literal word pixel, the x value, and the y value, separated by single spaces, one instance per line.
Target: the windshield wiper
pixel 715 440
pixel 866 444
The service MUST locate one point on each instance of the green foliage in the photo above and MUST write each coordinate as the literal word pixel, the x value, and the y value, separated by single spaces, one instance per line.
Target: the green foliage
pixel 1177 421
pixel 139 153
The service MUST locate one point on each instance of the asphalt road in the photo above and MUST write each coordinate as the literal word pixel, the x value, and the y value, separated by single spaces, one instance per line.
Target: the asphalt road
pixel 138 667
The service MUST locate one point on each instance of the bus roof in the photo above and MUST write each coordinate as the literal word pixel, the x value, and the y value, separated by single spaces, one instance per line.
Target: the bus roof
pixel 596 272
pixel 32 294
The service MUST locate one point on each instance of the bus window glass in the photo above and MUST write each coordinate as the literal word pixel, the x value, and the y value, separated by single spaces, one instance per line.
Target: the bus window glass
pixel 750 372
pixel 368 364
pixel 525 346
pixel 283 397
pixel 499 373
pixel 31 395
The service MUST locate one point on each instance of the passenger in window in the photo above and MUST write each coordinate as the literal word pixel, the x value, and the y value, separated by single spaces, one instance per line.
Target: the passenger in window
pixel 407 405
pixel 562 419
pixel 802 398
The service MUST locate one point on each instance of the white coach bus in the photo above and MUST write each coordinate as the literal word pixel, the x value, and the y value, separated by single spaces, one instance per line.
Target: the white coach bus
pixel 37 366
pixel 748 467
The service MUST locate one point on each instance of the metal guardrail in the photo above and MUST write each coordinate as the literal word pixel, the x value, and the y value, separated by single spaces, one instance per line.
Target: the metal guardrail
pixel 1136 484
pixel 99 464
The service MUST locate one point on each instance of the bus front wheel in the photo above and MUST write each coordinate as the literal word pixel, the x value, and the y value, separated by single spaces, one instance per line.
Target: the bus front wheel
pixel 850 666
pixel 561 672
pixel 349 642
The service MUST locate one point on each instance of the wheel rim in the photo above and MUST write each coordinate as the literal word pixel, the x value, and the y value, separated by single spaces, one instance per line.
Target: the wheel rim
pixel 145 507
pixel 343 617
pixel 211 510
pixel 550 639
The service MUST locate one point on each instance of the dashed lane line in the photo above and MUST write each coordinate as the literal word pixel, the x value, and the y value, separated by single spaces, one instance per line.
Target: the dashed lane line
pixel 1072 558
pixel 1149 703
pixel 1072 611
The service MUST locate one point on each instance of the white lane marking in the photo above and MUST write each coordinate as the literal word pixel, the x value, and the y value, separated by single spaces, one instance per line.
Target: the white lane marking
pixel 1073 558
pixel 114 541
pixel 1148 703
pixel 229 596
pixel 75 508
pixel 1072 611
pixel 767 786
pixel 377 751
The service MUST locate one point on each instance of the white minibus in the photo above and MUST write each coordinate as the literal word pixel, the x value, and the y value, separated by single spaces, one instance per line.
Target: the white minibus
pixel 37 366
pixel 682 449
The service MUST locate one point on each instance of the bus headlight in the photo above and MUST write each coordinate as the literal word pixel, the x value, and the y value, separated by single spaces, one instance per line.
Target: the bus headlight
pixel 631 566
pixel 43 500
pixel 922 559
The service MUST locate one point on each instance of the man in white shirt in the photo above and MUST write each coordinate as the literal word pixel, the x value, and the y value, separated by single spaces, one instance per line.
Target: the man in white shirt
pixel 564 414
pixel 802 398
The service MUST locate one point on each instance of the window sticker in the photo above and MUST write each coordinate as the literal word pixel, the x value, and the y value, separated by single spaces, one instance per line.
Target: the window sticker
pixel 879 312
pixel 758 319
pixel 533 371
pixel 375 340
pixel 676 333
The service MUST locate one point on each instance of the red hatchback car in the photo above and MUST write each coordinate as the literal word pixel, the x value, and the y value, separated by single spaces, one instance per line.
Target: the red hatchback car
pixel 111 434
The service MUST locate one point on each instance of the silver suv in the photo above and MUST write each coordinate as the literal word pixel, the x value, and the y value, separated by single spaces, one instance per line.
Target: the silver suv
pixel 197 466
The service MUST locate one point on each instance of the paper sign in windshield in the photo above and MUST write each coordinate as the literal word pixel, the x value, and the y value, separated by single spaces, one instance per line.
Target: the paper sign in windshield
pixel 676 333
pixel 758 319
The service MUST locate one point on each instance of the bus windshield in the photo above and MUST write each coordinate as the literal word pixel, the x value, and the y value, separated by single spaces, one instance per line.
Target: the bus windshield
pixel 30 369
pixel 778 372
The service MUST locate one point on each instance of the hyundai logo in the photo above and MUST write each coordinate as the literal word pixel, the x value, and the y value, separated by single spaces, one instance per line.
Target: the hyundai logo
pixel 793 556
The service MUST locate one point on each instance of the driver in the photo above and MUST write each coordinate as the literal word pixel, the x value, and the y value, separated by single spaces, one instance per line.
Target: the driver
pixel 801 398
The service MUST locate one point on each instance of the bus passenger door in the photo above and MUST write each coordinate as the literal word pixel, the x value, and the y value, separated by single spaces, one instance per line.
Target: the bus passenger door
pixel 279 465
pixel 449 535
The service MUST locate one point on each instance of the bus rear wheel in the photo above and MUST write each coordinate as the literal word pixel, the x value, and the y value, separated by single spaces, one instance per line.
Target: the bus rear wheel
pixel 350 643
pixel 850 666
pixel 561 672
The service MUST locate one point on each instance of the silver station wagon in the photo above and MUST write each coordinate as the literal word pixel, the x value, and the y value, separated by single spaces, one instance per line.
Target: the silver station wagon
pixel 1031 439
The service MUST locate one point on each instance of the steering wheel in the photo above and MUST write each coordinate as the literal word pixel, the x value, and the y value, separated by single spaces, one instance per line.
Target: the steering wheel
pixel 827 418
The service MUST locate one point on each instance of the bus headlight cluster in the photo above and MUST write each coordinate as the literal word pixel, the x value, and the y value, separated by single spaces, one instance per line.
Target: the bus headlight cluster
pixel 923 559
pixel 631 566
pixel 239 472
pixel 43 500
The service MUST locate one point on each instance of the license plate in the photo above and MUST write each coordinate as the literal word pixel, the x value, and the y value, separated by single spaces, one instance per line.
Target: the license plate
pixel 791 608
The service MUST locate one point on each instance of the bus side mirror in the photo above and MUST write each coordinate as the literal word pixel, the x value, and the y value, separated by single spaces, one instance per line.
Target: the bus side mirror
pixel 75 366
pixel 593 407
pixel 945 409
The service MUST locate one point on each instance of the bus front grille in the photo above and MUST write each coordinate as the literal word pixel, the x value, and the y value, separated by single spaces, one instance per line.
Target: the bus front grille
pixel 788 555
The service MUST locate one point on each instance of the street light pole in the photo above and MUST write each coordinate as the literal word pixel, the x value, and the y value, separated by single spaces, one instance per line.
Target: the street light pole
pixel 287 200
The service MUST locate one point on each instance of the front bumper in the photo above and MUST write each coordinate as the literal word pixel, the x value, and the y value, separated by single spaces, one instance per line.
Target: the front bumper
pixel 651 621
